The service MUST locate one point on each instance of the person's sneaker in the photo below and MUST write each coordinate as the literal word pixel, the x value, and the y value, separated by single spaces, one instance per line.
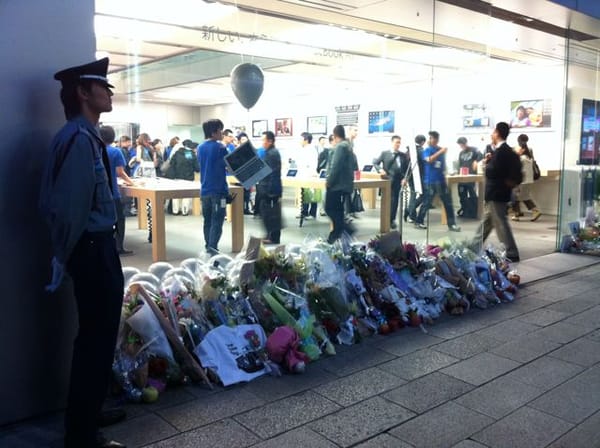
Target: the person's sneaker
pixel 418 225
pixel 322 213
pixel 125 252
pixel 514 218
pixel 410 220
pixel 393 225
pixel 454 228
pixel 103 442
pixel 111 416
pixel 536 215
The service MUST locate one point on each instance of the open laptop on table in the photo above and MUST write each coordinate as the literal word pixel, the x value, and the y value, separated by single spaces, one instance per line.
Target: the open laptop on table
pixel 246 166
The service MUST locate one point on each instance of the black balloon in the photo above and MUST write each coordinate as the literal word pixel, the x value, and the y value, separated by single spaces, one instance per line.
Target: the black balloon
pixel 247 82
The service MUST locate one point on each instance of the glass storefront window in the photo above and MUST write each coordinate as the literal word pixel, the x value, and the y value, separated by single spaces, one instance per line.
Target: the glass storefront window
pixel 404 69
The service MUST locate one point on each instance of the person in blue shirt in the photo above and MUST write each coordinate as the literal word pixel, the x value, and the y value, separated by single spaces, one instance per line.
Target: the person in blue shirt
pixel 269 191
pixel 228 140
pixel 77 203
pixel 434 182
pixel 117 167
pixel 214 190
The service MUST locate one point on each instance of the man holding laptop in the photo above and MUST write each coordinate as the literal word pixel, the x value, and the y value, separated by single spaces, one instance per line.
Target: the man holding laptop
pixel 214 190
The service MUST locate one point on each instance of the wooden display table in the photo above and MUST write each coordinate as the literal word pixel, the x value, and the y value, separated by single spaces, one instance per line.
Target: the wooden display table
pixel 159 190
pixel 384 184
pixel 479 179
pixel 370 195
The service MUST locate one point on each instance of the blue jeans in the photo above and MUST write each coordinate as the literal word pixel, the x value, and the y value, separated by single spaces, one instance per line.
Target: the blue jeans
pixel 440 189
pixel 213 211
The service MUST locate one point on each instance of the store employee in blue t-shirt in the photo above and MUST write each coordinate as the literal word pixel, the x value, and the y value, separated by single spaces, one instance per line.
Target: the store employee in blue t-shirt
pixel 434 180
pixel 214 191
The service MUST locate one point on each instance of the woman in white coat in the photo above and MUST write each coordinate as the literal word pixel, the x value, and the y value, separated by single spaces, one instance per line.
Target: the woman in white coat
pixel 523 191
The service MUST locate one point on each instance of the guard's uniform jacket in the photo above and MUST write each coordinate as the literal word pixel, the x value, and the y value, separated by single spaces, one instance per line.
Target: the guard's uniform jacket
pixel 76 195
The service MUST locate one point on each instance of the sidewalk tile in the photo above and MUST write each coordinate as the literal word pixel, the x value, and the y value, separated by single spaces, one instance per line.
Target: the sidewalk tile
pixel 584 352
pixel 587 319
pixel 543 317
pixel 595 336
pixel 508 330
pixel 417 364
pixel 427 392
pixel 480 368
pixel 469 444
pixel 584 435
pixel 352 361
pixel 526 348
pixel 545 373
pixel 361 421
pixel 525 428
pixel 499 397
pixel 140 431
pixel 404 344
pixel 224 433
pixel 574 400
pixel 574 305
pixel 384 441
pixel 301 437
pixel 454 328
pixel 441 427
pixel 561 332
pixel 359 386
pixel 289 413
pixel 271 389
pixel 210 409
pixel 468 345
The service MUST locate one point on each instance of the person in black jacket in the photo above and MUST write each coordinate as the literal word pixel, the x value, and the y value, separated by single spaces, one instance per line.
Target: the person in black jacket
pixel 183 165
pixel 340 182
pixel 395 165
pixel 269 191
pixel 502 174
pixel 414 201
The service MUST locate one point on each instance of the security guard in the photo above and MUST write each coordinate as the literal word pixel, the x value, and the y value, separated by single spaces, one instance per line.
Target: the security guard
pixel 77 202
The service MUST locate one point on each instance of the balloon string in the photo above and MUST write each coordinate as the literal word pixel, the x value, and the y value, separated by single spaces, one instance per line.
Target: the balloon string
pixel 237 17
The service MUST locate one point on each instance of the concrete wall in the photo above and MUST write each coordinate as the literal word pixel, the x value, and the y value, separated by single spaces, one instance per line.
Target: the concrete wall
pixel 38 38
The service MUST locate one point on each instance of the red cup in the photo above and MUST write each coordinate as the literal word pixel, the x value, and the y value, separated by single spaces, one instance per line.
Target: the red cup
pixel 464 171
pixel 357 175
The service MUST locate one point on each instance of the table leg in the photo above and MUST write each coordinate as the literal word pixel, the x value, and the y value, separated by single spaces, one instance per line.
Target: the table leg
pixel 141 213
pixel 371 198
pixel 480 197
pixel 237 222
pixel 386 205
pixel 159 249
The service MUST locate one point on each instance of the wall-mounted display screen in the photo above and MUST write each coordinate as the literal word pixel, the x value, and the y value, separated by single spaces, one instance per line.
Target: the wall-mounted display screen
pixel 531 114
pixel 590 133
pixel 382 121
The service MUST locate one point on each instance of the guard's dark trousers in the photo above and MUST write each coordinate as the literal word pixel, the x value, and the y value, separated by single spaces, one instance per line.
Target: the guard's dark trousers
pixel 95 269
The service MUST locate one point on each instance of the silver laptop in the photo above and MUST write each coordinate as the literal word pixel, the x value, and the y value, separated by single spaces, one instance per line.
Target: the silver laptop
pixel 246 166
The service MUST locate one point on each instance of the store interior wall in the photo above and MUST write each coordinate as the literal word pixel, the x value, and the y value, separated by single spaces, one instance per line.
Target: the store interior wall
pixel 36 329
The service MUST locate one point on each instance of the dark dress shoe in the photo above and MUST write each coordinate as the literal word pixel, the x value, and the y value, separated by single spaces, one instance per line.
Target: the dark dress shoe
pixel 125 252
pixel 103 442
pixel 111 416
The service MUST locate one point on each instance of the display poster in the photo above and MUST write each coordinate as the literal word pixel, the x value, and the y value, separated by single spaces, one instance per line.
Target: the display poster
pixel 381 121
pixel 590 133
pixel 531 114
pixel 475 116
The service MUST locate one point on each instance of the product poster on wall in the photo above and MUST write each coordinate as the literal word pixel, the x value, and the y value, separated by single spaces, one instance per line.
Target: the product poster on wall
pixel 590 133
pixel 531 114
pixel 381 121
pixel 475 116
pixel 283 127
pixel 258 127
pixel 317 124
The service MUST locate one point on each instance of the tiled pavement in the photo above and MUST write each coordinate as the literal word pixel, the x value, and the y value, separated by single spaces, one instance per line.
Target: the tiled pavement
pixel 525 374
